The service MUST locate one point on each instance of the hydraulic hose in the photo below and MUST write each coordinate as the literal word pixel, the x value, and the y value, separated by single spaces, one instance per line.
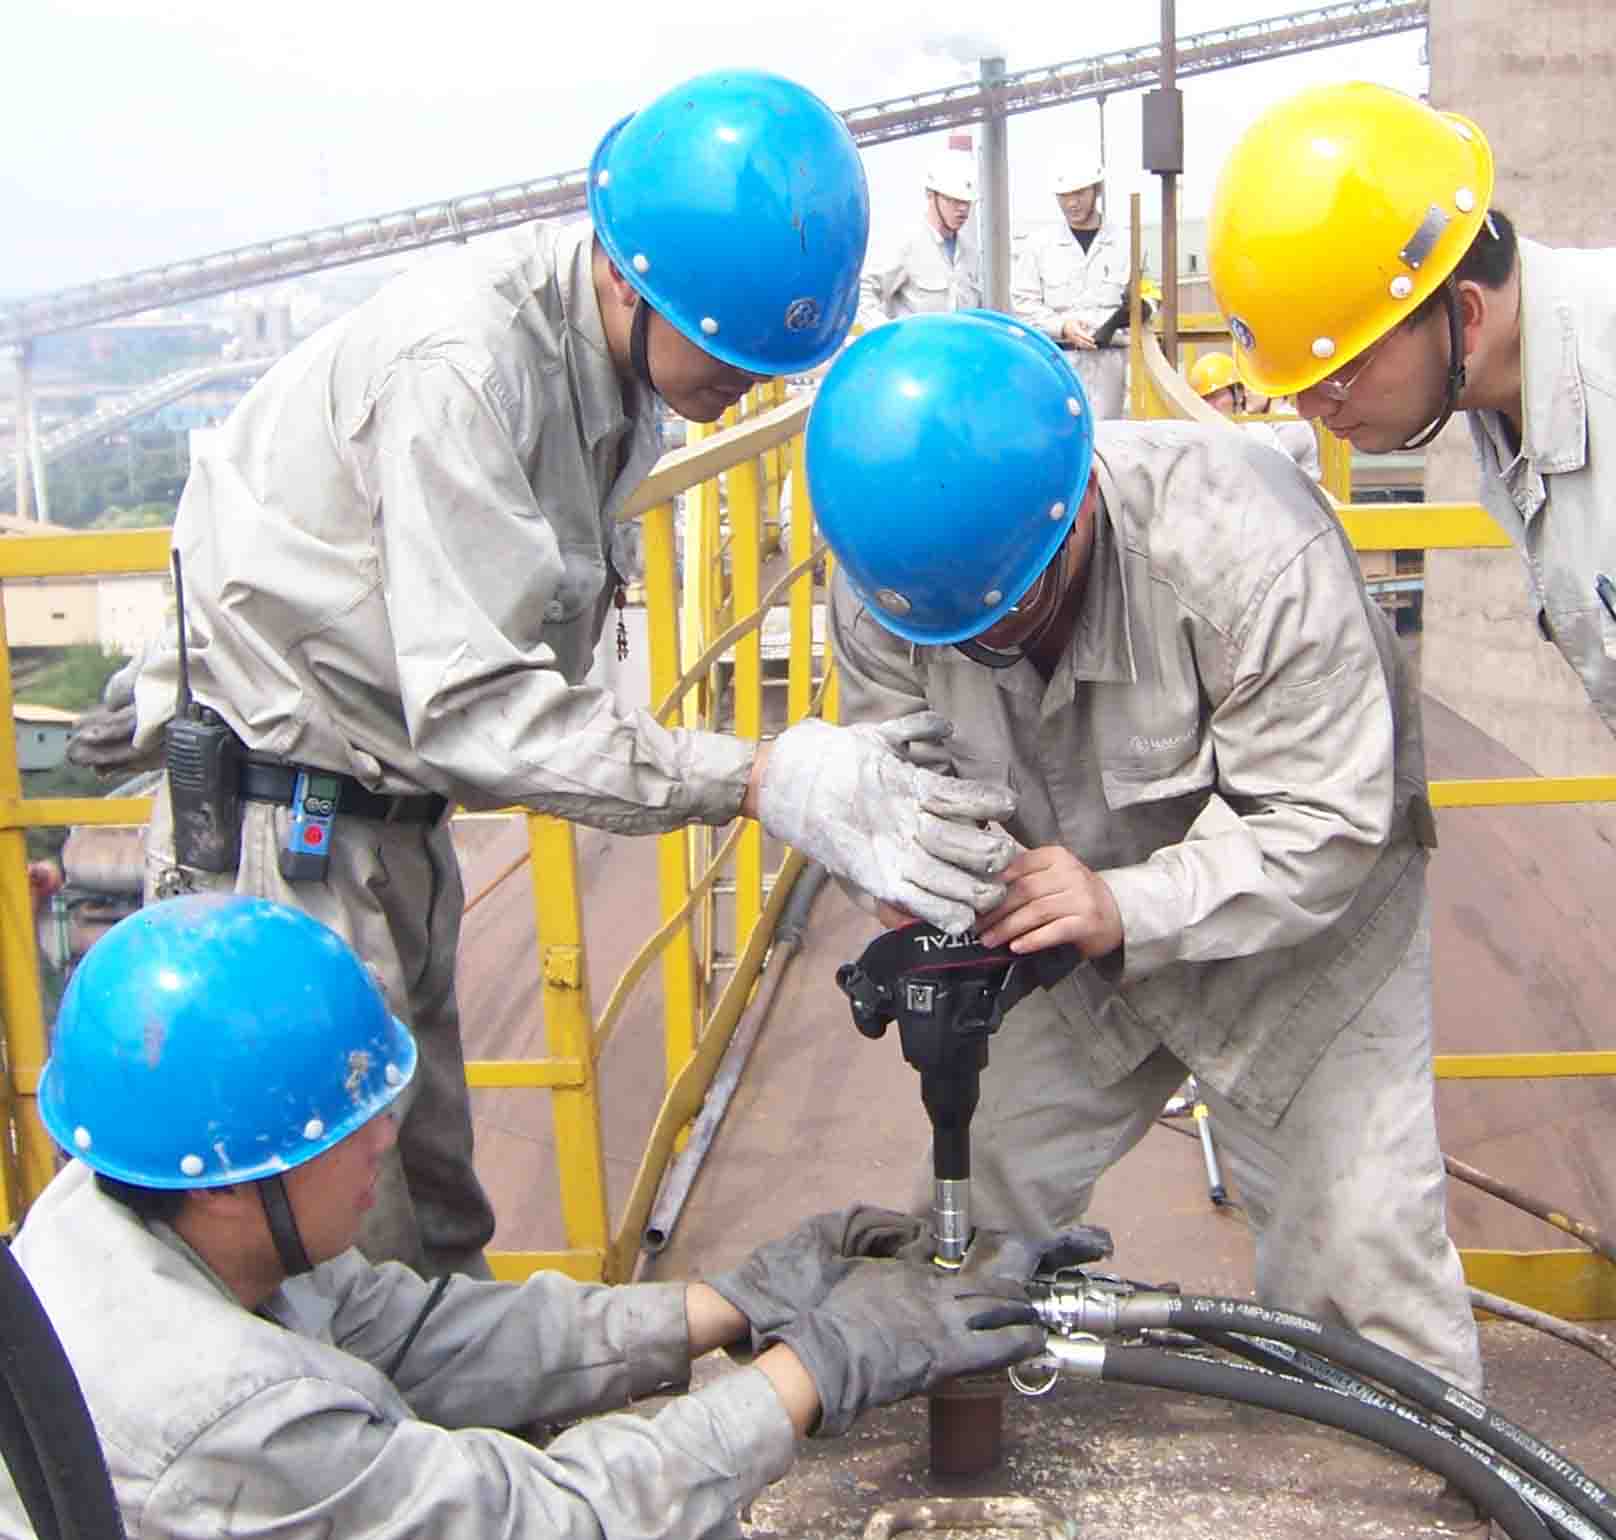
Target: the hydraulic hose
pixel 1197 1314
pixel 1281 1358
pixel 46 1435
pixel 1490 1492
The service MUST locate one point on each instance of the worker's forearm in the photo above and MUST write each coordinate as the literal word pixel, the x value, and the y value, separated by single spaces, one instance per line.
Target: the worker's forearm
pixel 711 1320
pixel 794 1386
pixel 754 781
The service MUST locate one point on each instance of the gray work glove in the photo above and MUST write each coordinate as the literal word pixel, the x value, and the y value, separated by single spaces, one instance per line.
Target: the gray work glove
pixel 103 739
pixel 846 798
pixel 892 1329
pixel 787 1277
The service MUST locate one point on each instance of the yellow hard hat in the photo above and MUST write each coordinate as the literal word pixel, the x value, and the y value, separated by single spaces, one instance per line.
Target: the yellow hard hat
pixel 1212 372
pixel 1339 211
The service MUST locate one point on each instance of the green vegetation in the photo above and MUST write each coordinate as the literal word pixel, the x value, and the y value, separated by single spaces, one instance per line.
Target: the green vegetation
pixel 71 678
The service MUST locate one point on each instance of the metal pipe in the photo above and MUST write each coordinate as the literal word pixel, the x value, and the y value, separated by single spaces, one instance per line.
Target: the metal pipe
pixel 1169 196
pixel 994 203
pixel 682 1172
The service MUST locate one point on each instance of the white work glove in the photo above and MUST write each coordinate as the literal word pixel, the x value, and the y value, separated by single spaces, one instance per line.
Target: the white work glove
pixel 844 797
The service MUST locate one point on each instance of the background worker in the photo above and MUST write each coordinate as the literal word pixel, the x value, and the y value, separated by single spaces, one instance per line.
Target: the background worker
pixel 250 1373
pixel 937 265
pixel 1162 640
pixel 1520 337
pixel 1067 281
pixel 1214 378
pixel 400 550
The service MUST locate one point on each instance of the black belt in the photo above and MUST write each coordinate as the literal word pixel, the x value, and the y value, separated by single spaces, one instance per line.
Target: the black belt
pixel 261 782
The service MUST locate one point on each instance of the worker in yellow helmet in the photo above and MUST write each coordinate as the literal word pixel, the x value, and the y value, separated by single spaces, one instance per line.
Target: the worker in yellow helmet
pixel 1382 291
pixel 1216 380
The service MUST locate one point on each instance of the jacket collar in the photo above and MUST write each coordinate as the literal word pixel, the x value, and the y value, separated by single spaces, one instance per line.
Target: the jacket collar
pixel 1554 421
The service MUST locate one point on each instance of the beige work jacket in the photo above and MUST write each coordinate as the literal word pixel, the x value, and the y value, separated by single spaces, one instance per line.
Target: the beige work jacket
pixel 1053 280
pixel 915 277
pixel 1229 740
pixel 288 1422
pixel 398 551
pixel 1556 497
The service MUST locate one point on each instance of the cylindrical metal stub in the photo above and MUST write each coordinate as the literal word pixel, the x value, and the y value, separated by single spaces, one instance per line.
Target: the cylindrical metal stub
pixel 965 1418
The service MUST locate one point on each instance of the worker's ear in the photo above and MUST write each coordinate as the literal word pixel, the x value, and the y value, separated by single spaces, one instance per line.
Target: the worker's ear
pixel 611 286
pixel 1475 306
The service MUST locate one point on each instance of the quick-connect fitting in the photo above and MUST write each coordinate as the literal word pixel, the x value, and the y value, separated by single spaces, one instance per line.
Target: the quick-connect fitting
pixel 1106 1309
pixel 950 1220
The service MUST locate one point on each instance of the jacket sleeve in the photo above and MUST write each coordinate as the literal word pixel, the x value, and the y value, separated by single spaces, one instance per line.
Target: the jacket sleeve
pixel 474 567
pixel 1302 735
pixel 880 280
pixel 1027 291
pixel 309 1456
pixel 500 1354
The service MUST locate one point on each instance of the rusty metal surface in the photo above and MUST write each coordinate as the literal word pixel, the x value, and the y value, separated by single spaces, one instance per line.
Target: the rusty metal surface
pixel 1522 902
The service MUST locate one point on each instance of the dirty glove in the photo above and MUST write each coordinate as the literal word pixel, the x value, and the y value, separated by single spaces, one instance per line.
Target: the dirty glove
pixel 790 1276
pixel 894 1329
pixel 845 798
pixel 103 739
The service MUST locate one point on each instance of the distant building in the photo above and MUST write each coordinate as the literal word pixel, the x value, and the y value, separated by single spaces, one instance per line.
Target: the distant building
pixel 117 612
pixel 41 735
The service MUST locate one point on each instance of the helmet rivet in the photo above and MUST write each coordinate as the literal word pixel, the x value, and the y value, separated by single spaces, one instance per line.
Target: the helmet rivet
pixel 1402 286
pixel 313 1128
pixel 604 179
pixel 892 601
pixel 1058 511
pixel 642 263
pixel 191 1165
pixel 1464 200
pixel 1074 406
pixel 1324 347
pixel 393 1075
pixel 992 597
pixel 81 1138
pixel 709 327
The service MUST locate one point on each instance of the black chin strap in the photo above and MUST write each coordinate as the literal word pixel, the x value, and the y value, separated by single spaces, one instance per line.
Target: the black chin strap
pixel 1456 369
pixel 989 657
pixel 638 358
pixel 283 1227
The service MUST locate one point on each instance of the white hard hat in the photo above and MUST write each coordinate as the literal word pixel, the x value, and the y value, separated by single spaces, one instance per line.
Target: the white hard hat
pixel 1074 170
pixel 953 174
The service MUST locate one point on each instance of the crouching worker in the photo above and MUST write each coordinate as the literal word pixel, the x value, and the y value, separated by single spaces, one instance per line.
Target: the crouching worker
pixel 225 1077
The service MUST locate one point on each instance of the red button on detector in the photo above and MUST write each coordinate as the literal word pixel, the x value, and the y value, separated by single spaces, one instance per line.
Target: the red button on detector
pixel 313 836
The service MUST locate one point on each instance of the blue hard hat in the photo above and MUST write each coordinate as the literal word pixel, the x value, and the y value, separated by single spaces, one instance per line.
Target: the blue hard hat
pixel 735 205
pixel 213 1039
pixel 947 456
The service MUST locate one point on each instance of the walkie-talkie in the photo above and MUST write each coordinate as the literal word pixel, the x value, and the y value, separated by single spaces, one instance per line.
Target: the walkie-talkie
pixel 203 758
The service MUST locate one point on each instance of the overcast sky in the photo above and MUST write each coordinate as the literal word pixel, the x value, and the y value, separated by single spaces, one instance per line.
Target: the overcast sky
pixel 139 132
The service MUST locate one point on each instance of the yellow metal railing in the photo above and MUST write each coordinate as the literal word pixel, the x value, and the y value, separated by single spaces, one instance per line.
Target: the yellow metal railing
pixel 1565 1282
pixel 731 481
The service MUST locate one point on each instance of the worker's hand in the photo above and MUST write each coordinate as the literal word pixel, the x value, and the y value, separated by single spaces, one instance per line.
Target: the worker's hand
pixel 787 1277
pixel 1052 897
pixel 846 798
pixel 103 739
pixel 1078 336
pixel 891 1329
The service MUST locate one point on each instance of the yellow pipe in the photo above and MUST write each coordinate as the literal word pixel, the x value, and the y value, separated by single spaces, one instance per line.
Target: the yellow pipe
pixel 662 625
pixel 800 682
pixel 1554 1064
pixel 746 558
pixel 20 1006
pixel 558 922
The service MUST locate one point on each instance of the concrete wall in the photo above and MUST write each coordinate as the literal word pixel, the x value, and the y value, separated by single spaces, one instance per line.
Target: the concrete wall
pixel 1538 76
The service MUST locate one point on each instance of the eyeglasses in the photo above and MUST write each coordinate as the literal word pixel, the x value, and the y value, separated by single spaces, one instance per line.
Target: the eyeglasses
pixel 1339 389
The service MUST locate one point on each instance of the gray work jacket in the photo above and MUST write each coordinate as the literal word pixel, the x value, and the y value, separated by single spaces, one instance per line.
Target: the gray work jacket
pixel 216 1421
pixel 1229 740
pixel 915 277
pixel 397 551
pixel 1556 497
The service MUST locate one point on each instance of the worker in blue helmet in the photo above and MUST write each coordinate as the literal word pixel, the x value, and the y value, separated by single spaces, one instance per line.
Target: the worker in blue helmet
pixel 224 1079
pixel 401 549
pixel 1158 634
